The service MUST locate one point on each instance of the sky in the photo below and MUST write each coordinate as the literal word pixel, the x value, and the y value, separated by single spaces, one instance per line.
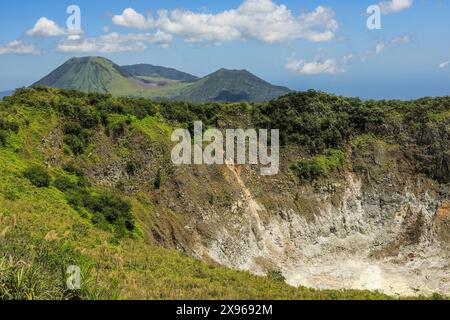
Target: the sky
pixel 302 44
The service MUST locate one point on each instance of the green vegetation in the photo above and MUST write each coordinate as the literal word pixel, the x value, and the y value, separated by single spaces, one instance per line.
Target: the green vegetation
pixel 38 176
pixel 106 210
pixel 231 86
pixel 90 74
pixel 311 169
pixel 71 212
pixel 100 75
pixel 7 127
pixel 276 276
pixel 314 120
pixel 35 269
pixel 159 179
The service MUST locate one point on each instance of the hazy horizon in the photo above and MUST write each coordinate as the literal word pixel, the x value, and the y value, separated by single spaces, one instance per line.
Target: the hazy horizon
pixel 302 45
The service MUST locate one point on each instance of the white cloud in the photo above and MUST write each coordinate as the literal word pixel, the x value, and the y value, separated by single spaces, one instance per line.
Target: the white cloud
pixel 380 47
pixel 317 66
pixel 114 42
pixel 131 19
pixel 444 64
pixel 387 44
pixel 394 6
pixel 401 40
pixel 261 20
pixel 45 28
pixel 18 47
pixel 161 39
pixel 347 58
pixel 74 37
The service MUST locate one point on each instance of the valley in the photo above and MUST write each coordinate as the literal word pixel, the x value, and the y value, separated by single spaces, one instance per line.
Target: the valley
pixel 359 209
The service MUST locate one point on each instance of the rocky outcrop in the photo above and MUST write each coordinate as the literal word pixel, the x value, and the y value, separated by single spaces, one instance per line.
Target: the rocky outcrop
pixel 374 238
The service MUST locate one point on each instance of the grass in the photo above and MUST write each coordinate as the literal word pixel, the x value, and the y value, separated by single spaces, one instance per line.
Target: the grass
pixel 154 127
pixel 362 142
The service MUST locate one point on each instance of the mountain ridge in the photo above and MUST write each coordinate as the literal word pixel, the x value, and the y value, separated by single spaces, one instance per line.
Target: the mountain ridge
pixel 98 74
pixel 149 70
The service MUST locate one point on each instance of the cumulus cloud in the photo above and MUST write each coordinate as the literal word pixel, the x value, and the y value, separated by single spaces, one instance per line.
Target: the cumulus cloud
pixel 161 39
pixel 444 64
pixel 115 42
pixel 132 19
pixel 317 66
pixel 45 28
pixel 394 6
pixel 18 47
pixel 261 20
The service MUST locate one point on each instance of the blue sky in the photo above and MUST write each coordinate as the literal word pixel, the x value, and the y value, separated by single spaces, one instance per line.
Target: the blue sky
pixel 320 44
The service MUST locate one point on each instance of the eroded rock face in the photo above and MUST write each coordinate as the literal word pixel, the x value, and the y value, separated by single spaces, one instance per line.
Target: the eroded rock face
pixel 378 224
pixel 380 236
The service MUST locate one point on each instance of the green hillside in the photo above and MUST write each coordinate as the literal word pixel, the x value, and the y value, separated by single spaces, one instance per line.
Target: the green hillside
pixel 89 74
pixel 231 86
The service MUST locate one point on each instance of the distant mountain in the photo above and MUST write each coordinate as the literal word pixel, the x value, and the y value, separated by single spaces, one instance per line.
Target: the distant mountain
pixel 148 70
pixel 5 93
pixel 97 74
pixel 231 86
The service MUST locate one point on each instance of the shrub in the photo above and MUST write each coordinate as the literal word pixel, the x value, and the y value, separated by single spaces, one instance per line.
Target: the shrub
pixel 311 169
pixel 307 169
pixel 333 159
pixel 105 209
pixel 276 275
pixel 119 129
pixel 38 176
pixel 3 138
pixel 73 169
pixel 73 128
pixel 76 145
pixel 64 183
pixel 5 127
pixel 158 180
pixel 109 207
pixel 131 168
pixel 9 126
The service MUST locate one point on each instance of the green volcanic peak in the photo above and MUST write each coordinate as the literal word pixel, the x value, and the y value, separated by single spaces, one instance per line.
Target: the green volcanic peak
pixel 89 74
pixel 232 86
